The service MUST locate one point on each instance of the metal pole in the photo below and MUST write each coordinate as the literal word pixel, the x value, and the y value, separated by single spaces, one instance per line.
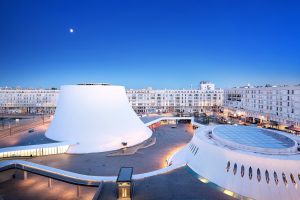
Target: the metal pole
pixel 49 182
pixel 24 175
pixel 78 191
pixel 9 127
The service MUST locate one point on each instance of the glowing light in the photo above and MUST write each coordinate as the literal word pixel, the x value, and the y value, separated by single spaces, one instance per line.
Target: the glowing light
pixel 203 180
pixel 228 192
pixel 71 30
pixel 166 161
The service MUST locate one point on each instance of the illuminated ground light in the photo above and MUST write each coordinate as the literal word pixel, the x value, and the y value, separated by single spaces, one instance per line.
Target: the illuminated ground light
pixel 203 180
pixel 215 186
pixel 228 192
pixel 166 161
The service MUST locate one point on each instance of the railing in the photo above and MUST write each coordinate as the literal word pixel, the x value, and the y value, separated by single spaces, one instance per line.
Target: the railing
pixel 74 178
pixel 34 150
pixel 50 172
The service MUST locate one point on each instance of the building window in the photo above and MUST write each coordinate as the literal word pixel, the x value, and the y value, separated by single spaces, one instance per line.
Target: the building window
pixel 258 175
pixel 234 168
pixel 242 171
pixel 293 179
pixel 250 173
pixel 196 151
pixel 284 178
pixel 228 166
pixel 267 176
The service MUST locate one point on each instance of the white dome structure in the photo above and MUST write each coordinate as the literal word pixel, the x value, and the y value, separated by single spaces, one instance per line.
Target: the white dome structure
pixel 96 118
pixel 245 162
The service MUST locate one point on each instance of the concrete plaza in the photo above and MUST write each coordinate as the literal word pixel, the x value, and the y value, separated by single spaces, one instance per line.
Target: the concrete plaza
pixel 168 140
pixel 24 138
pixel 177 184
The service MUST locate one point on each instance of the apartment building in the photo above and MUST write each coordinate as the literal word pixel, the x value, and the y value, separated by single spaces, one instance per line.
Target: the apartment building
pixel 18 100
pixel 276 104
pixel 202 99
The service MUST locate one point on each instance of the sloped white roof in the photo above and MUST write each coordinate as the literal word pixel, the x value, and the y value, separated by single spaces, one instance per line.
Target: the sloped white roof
pixel 97 118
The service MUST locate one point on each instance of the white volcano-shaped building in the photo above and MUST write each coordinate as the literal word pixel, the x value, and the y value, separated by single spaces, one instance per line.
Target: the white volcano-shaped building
pixel 97 118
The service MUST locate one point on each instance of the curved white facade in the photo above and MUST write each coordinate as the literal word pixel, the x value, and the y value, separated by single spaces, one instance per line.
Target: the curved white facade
pixel 96 118
pixel 209 158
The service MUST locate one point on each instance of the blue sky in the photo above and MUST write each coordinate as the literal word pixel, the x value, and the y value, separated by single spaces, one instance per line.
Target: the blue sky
pixel 163 44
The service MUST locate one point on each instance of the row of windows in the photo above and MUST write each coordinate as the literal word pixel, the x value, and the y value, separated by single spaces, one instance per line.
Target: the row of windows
pixel 269 92
pixel 172 91
pixel 173 100
pixel 172 97
pixel 259 176
pixel 42 151
pixel 28 101
pixel 44 104
pixel 261 97
pixel 158 105
pixel 27 91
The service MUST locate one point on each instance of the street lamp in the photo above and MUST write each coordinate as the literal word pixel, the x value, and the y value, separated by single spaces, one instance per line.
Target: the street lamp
pixel 9 126
pixel 124 146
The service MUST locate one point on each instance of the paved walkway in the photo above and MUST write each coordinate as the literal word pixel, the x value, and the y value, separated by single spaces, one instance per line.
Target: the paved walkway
pixel 176 185
pixel 23 126
pixel 132 150
pixel 144 160
pixel 24 138
pixel 36 187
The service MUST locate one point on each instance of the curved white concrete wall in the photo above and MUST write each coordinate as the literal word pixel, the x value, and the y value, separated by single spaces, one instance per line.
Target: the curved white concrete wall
pixel 97 118
pixel 211 159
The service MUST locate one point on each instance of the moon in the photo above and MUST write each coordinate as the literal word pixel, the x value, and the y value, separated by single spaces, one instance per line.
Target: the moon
pixel 71 30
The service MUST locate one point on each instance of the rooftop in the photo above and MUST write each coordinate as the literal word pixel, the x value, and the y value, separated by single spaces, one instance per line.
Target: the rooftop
pixel 253 137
